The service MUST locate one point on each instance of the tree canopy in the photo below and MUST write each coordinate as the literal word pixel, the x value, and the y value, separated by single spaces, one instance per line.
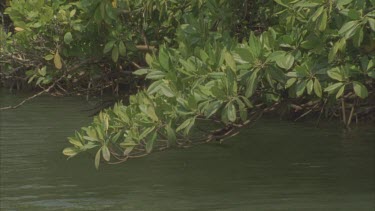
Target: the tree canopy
pixel 226 62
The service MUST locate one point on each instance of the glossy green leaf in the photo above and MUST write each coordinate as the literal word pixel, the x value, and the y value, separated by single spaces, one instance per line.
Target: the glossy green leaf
pixel 75 142
pixel 154 87
pixel 323 21
pixel 190 67
pixel 251 84
pixel 317 88
pixel 141 71
pixel 333 87
pixel 336 74
pixel 183 125
pixel 340 92
pixel 164 59
pixel 309 86
pixel 105 152
pixel 317 13
pixel 70 151
pixel 149 59
pixel 255 45
pixel 230 61
pixel 156 75
pixel 290 82
pixel 231 112
pixel 360 90
pixel 285 61
pixel 349 29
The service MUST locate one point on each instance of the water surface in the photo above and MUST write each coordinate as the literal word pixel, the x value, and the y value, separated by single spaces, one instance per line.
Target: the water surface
pixel 276 165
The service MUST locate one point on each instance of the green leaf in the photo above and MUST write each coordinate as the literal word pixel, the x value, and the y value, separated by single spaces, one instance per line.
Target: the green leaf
pixel 48 57
pixel 212 108
pixel 128 150
pixel 230 61
pixel 115 53
pixel 156 75
pixel 89 138
pixel 243 55
pixel 68 38
pixel 70 151
pixel 323 21
pixel 306 4
pixel 290 82
pixel 141 71
pixel 333 87
pixel 97 158
pixel 154 87
pixel 333 52
pixel 42 71
pixel 310 86
pixel 190 67
pixel 343 2
pixel 301 88
pixel 164 59
pixel 75 142
pixel 360 90
pixel 183 125
pixel 122 48
pixel 150 142
pixel 231 112
pixel 285 61
pixel 317 13
pixel 57 60
pixel 149 59
pixel 146 132
pixel 358 38
pixel 340 92
pixel 251 84
pixel 349 29
pixel 255 45
pixel 108 46
pixel 354 14
pixel 247 102
pixel 72 13
pixel 167 91
pixel 336 74
pixel 347 26
pixel 317 88
pixel 106 153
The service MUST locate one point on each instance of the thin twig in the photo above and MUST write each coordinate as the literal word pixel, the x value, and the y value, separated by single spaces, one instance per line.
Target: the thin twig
pixel 32 97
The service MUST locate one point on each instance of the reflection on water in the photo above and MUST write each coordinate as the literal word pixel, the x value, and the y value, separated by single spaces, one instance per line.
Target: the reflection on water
pixel 272 166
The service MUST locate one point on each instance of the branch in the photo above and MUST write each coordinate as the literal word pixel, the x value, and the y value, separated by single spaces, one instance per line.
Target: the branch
pixel 32 97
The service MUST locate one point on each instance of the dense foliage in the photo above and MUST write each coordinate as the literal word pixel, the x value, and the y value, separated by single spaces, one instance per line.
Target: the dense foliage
pixel 222 61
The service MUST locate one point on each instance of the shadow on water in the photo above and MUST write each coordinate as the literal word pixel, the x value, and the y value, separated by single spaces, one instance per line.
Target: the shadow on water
pixel 273 166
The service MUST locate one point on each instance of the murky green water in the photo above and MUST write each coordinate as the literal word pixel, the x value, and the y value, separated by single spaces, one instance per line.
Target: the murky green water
pixel 272 166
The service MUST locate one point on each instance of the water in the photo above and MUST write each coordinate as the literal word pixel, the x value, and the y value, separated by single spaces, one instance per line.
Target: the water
pixel 275 165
